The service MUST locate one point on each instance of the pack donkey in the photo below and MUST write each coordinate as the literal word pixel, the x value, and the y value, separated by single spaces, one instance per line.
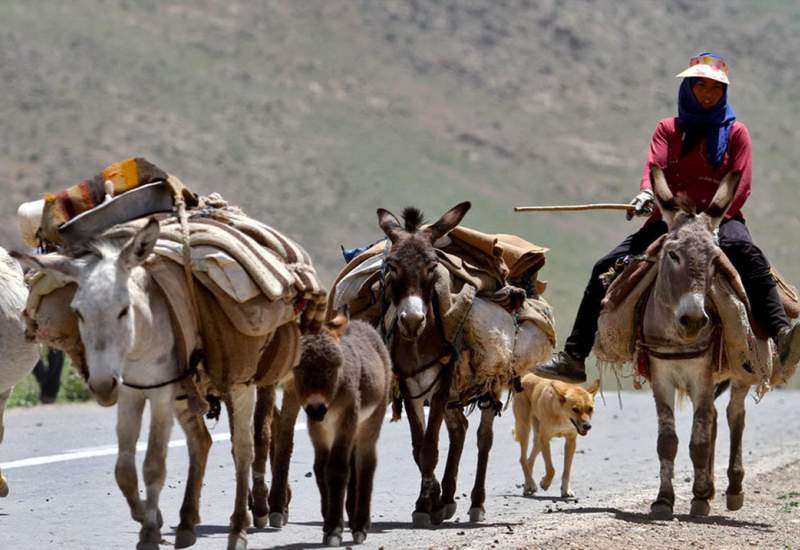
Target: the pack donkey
pixel 680 325
pixel 17 356
pixel 423 360
pixel 125 327
pixel 343 382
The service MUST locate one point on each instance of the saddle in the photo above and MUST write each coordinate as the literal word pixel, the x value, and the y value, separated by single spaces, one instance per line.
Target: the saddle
pixel 742 344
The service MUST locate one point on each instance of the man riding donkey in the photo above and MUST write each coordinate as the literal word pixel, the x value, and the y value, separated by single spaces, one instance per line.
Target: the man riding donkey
pixel 695 150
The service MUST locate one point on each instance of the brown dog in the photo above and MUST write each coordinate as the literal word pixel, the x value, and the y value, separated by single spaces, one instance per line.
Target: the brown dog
pixel 552 409
pixel 342 382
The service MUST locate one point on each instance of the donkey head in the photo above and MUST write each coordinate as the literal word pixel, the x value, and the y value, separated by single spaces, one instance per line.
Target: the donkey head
pixel 103 303
pixel 686 261
pixel 316 376
pixel 412 261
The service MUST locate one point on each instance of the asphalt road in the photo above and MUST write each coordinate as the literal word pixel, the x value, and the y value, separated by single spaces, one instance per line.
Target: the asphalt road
pixel 60 460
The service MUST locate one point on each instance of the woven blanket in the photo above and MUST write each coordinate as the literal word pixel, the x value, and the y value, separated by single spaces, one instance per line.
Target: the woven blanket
pixel 125 175
pixel 247 335
pixel 743 343
pixel 506 329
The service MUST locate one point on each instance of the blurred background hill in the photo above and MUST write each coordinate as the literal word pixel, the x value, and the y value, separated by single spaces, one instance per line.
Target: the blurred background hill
pixel 311 114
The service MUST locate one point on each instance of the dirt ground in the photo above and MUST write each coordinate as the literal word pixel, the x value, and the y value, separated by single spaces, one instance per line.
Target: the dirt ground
pixel 770 519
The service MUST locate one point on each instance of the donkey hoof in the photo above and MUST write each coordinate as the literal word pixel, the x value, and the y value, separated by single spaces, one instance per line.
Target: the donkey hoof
pixel 529 490
pixel 185 537
pixel 449 510
pixel 421 520
pixel 734 502
pixel 333 539
pixel 237 541
pixel 359 537
pixel 545 482
pixel 147 546
pixel 261 521
pixel 277 520
pixel 3 486
pixel 699 508
pixel 660 510
pixel 477 514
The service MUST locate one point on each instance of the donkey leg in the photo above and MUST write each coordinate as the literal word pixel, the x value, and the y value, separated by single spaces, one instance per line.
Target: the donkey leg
pixel 352 488
pixel 416 423
pixel 428 507
pixel 130 407
pixel 198 442
pixel 366 460
pixel 283 441
pixel 337 473
pixel 241 406
pixel 155 464
pixel 3 399
pixel 262 422
pixel 664 394
pixel 457 424
pixel 734 495
pixel 701 447
pixel 485 440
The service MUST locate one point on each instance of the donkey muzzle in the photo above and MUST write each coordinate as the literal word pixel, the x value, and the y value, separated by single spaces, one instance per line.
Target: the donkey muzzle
pixel 411 317
pixel 316 412
pixel 691 314
pixel 105 390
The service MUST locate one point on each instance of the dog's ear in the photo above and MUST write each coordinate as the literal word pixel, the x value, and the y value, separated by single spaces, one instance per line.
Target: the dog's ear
pixel 561 392
pixel 594 388
pixel 337 326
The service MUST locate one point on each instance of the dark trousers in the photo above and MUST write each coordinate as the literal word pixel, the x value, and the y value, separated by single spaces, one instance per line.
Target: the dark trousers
pixel 734 240
pixel 49 377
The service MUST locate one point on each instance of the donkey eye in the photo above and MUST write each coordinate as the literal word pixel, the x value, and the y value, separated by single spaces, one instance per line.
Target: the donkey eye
pixel 576 410
pixel 674 257
pixel 123 313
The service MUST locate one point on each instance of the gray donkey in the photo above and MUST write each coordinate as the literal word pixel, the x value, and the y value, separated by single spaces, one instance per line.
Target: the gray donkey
pixel 679 333
pixel 343 382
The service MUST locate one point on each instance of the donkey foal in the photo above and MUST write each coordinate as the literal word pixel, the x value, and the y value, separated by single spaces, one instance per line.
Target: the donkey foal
pixel 342 382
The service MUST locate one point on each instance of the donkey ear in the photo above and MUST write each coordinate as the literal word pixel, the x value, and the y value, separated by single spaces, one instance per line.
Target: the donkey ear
pixel 664 198
pixel 61 267
pixel 594 388
pixel 137 250
pixel 723 197
pixel 389 224
pixel 448 221
pixel 337 326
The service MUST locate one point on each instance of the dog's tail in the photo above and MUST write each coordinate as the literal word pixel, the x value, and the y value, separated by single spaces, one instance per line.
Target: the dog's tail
pixel 522 410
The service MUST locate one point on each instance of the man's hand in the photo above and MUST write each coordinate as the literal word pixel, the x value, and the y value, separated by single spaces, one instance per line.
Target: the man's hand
pixel 643 204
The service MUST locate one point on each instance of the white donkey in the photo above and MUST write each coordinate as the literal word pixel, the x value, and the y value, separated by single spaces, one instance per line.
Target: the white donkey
pixel 127 335
pixel 17 356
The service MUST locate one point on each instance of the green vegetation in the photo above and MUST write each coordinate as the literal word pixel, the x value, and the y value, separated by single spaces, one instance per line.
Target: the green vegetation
pixel 790 502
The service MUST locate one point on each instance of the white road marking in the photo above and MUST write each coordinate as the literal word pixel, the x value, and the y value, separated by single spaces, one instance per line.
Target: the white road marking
pixel 105 450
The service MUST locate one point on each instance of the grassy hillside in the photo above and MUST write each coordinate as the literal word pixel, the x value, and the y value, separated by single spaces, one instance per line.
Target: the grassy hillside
pixel 312 114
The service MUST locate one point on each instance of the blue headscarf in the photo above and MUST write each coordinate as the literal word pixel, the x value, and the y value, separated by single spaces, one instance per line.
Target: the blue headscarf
pixel 714 124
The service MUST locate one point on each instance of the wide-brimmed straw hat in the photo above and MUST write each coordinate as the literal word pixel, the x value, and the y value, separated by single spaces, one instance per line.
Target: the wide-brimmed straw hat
pixel 707 65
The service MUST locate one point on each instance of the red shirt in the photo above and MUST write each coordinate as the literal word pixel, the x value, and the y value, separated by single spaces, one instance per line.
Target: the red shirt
pixel 691 174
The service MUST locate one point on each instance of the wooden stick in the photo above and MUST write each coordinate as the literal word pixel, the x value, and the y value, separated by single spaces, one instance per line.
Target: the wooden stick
pixel 574 207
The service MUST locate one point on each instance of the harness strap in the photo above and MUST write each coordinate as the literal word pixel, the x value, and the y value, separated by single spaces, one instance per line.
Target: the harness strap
pixel 194 360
